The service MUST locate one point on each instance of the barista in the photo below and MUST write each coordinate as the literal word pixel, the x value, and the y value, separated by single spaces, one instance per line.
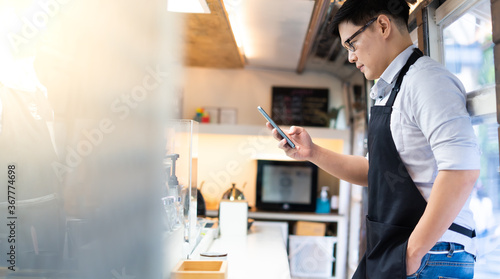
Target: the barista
pixel 423 157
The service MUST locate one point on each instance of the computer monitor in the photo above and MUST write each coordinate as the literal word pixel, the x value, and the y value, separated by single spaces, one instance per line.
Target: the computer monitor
pixel 286 185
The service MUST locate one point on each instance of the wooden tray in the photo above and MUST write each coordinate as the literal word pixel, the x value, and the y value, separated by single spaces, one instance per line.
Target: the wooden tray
pixel 200 270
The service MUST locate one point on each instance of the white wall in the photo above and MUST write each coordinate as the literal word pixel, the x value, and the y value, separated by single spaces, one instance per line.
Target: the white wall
pixel 246 89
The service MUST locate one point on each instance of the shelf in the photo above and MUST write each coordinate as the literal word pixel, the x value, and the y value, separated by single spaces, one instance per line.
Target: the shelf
pixel 261 130
pixel 288 216
pixel 257 140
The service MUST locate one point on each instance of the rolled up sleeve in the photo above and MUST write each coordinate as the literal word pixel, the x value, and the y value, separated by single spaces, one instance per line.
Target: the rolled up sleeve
pixel 440 111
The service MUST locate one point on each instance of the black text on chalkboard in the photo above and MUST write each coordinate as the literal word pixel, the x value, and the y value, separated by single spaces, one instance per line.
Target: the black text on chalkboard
pixel 300 106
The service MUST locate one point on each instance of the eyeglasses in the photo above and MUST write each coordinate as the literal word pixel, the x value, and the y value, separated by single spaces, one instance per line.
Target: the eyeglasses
pixel 348 44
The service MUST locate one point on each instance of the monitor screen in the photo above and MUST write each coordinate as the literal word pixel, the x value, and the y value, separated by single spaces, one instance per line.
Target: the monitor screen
pixel 286 185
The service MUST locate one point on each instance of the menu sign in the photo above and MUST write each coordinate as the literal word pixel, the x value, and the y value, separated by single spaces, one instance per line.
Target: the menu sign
pixel 300 106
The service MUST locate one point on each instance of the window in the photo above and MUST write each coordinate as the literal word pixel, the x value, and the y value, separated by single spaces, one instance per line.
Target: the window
pixel 485 203
pixel 468 47
pixel 468 53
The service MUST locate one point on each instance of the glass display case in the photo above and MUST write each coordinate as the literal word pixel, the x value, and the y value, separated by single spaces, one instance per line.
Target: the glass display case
pixel 180 200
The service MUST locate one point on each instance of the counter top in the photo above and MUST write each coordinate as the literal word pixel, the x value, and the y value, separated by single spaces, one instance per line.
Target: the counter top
pixel 260 254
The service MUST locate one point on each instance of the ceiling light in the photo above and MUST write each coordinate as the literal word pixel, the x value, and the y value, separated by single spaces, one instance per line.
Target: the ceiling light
pixel 188 6
pixel 235 15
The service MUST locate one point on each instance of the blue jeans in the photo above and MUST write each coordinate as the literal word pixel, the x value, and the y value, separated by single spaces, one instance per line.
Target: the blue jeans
pixel 446 260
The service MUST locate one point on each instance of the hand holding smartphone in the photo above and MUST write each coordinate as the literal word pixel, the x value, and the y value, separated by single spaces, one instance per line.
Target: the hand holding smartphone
pixel 288 140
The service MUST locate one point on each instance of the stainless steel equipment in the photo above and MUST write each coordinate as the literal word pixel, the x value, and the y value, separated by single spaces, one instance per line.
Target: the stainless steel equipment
pixel 234 194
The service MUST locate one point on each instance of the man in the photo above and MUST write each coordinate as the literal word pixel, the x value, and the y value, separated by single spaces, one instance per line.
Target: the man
pixel 423 159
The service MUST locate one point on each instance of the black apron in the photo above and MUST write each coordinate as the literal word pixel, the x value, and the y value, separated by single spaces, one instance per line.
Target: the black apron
pixel 394 203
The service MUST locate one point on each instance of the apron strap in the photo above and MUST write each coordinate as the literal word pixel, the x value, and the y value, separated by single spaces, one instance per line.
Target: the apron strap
pixel 395 90
pixel 414 57
pixel 462 230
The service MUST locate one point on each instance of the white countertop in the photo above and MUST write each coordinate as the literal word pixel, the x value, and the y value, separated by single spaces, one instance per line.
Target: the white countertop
pixel 260 254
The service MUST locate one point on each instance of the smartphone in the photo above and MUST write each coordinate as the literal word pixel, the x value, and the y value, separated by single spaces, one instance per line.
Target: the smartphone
pixel 288 140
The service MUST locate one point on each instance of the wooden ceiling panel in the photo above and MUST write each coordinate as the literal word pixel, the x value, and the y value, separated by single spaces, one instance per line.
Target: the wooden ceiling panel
pixel 210 41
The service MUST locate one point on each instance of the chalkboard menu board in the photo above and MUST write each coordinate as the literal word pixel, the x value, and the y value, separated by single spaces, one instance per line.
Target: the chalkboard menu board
pixel 300 106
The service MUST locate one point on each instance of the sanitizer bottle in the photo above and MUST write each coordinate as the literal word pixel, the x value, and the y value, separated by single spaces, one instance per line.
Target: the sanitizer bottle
pixel 323 201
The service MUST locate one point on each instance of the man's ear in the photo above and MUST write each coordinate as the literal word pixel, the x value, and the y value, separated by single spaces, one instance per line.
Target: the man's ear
pixel 384 25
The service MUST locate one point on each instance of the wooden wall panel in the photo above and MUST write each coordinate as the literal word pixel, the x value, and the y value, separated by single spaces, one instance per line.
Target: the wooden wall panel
pixel 210 41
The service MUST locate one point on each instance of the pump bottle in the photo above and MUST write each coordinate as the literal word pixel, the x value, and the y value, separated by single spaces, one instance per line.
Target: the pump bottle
pixel 323 201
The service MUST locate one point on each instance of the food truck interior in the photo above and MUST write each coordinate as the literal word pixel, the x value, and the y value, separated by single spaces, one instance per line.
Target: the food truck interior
pixel 131 146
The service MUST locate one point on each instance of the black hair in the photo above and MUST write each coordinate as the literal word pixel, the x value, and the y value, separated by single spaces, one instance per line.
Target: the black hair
pixel 359 12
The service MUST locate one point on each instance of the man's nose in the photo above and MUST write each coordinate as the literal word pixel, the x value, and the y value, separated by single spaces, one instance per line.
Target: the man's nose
pixel 351 56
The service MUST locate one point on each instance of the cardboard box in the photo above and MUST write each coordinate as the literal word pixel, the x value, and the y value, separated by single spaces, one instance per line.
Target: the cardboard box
pixel 310 228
